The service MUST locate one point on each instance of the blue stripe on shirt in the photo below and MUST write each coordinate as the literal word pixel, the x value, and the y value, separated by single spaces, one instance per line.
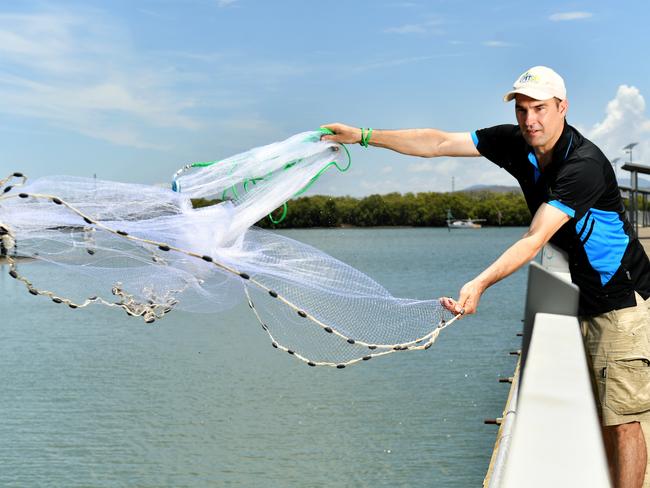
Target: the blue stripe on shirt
pixel 606 245
pixel 565 208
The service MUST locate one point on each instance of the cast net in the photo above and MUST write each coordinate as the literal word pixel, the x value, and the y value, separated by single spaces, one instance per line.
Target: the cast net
pixel 146 250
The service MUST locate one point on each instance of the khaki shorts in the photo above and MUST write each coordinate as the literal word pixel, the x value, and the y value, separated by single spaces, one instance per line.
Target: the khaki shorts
pixel 618 346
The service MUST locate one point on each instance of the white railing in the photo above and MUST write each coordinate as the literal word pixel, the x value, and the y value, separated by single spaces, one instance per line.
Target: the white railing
pixel 550 433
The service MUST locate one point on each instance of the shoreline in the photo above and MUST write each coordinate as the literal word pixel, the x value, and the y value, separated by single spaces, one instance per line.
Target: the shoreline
pixel 350 226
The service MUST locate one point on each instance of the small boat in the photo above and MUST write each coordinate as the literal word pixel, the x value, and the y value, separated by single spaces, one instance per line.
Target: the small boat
pixel 453 223
pixel 464 224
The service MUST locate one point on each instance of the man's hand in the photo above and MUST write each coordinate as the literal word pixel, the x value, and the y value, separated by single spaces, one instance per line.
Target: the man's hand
pixel 343 134
pixel 450 304
pixel 467 303
pixel 470 295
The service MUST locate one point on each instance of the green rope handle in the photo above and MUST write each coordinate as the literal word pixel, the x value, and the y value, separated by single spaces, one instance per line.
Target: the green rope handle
pixel 322 170
pixel 326 131
pixel 285 207
pixel 250 180
pixel 203 164
pixel 312 138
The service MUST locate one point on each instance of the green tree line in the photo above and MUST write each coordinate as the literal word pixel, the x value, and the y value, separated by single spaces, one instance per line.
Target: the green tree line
pixel 411 209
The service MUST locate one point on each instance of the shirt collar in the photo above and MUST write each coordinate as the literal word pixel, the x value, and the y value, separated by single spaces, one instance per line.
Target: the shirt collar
pixel 561 151
pixel 564 145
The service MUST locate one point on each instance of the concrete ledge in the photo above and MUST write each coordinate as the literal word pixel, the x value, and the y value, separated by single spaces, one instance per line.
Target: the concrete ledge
pixel 556 440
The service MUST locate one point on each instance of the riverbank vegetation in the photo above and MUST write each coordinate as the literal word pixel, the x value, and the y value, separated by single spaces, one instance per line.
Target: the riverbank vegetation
pixel 411 209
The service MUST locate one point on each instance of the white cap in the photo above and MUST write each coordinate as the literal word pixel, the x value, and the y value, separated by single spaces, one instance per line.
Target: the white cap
pixel 540 83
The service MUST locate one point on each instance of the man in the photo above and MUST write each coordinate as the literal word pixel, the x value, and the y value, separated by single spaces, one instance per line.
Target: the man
pixel 572 193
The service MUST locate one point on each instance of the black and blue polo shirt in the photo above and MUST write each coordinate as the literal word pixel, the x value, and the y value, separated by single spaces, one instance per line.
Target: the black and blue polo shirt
pixel 606 261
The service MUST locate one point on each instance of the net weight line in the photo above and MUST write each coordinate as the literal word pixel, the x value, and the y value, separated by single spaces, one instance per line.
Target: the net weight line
pixel 153 310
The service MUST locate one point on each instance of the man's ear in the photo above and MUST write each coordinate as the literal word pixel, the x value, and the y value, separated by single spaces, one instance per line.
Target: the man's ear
pixel 564 106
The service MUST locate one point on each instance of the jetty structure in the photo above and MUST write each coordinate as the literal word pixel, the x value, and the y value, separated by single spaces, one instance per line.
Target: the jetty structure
pixel 637 197
pixel 549 432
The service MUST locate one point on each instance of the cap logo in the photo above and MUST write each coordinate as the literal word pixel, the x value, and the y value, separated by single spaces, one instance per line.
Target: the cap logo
pixel 527 76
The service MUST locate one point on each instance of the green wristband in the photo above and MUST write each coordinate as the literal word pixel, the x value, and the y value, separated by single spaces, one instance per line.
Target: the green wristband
pixel 365 136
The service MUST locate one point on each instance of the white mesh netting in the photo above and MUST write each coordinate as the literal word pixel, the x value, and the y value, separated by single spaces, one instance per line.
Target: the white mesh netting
pixel 147 250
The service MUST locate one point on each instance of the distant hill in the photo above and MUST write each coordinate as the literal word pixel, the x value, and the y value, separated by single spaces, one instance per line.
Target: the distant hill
pixel 492 188
pixel 644 184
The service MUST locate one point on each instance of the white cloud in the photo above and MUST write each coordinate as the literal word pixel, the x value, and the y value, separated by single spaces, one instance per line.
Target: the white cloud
pixel 226 3
pixel 497 44
pixel 378 186
pixel 429 27
pixel 407 29
pixel 79 72
pixel 625 122
pixel 421 167
pixel 442 166
pixel 248 131
pixel 386 169
pixel 566 16
pixel 269 71
pixel 435 175
pixel 205 57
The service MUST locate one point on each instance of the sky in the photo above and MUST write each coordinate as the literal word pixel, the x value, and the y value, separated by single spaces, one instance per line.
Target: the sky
pixel 132 90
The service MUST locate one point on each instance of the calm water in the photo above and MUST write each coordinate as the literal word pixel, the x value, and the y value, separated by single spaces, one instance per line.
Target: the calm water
pixel 93 398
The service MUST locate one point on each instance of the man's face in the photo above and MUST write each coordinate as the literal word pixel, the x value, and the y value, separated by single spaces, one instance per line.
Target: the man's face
pixel 541 121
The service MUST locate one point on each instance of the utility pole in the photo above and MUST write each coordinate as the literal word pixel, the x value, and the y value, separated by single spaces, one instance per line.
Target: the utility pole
pixel 614 161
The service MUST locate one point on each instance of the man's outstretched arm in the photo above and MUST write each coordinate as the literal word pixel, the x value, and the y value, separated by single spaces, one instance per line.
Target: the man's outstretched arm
pixel 546 222
pixel 426 143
